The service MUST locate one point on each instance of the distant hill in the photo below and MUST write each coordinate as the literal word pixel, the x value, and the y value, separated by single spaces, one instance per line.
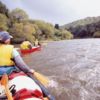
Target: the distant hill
pixel 88 27
pixel 88 20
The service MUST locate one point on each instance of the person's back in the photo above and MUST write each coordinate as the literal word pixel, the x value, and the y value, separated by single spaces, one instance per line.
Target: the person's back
pixel 9 57
pixel 26 45
pixel 6 50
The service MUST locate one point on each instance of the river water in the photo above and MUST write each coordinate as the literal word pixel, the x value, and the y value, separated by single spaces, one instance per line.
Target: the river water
pixel 73 66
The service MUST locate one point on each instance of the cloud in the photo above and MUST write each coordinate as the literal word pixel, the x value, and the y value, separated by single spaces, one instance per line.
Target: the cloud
pixel 54 11
pixel 57 11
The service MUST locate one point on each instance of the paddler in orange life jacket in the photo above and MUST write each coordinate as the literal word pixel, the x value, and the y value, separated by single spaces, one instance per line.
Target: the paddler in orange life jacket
pixel 10 59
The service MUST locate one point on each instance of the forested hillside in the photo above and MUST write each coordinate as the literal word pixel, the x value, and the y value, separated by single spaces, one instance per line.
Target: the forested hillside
pixel 84 28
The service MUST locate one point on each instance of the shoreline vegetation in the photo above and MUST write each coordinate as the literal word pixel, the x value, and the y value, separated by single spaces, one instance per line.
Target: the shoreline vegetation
pixel 21 27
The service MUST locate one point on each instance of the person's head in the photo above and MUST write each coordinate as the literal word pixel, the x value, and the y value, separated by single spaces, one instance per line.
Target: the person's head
pixel 5 37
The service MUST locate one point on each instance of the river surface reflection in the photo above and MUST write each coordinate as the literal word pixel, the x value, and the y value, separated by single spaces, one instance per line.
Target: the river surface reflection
pixel 73 66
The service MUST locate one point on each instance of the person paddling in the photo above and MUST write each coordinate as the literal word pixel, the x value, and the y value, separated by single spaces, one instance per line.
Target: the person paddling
pixel 26 45
pixel 10 59
pixel 37 43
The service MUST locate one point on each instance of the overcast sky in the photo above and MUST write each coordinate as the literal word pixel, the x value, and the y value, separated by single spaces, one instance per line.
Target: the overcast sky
pixel 57 11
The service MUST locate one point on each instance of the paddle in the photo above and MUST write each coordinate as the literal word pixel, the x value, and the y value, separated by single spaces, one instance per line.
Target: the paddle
pixel 44 80
pixel 4 82
pixel 43 88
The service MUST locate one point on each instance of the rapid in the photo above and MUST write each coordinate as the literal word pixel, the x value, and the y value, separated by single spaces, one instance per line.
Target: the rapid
pixel 73 66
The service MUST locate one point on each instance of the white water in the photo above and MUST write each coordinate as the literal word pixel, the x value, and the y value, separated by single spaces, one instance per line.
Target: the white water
pixel 72 65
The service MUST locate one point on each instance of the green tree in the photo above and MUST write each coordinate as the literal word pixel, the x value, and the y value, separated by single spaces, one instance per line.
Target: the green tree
pixel 57 26
pixel 96 34
pixel 18 15
pixel 47 29
pixel 66 35
pixel 29 32
pixel 3 9
pixel 22 31
pixel 63 34
pixel 3 21
pixel 17 30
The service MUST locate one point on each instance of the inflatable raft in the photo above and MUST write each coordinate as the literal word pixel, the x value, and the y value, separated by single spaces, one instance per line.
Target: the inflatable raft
pixel 22 87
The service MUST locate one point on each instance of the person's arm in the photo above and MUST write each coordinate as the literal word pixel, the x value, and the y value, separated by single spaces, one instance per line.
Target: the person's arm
pixel 20 63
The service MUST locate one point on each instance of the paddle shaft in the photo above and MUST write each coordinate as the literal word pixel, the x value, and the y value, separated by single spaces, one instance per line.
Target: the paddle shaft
pixel 4 82
pixel 46 92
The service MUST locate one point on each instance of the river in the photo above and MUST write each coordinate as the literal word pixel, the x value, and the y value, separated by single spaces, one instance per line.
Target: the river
pixel 73 66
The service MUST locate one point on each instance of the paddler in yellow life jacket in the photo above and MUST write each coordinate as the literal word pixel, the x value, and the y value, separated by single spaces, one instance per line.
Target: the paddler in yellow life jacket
pixel 10 59
pixel 26 45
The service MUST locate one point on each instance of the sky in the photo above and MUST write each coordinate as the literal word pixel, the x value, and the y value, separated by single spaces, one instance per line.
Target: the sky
pixel 56 11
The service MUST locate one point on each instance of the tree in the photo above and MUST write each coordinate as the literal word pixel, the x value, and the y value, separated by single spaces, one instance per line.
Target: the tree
pixel 63 34
pixel 22 31
pixel 47 29
pixel 3 21
pixel 96 34
pixel 3 9
pixel 66 35
pixel 57 26
pixel 29 31
pixel 19 15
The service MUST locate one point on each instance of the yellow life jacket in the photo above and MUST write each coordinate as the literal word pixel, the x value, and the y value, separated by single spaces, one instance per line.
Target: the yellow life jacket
pixel 25 45
pixel 6 55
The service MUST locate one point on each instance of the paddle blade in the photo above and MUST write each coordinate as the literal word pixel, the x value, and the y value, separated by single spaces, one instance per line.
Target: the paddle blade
pixel 4 82
pixel 44 80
